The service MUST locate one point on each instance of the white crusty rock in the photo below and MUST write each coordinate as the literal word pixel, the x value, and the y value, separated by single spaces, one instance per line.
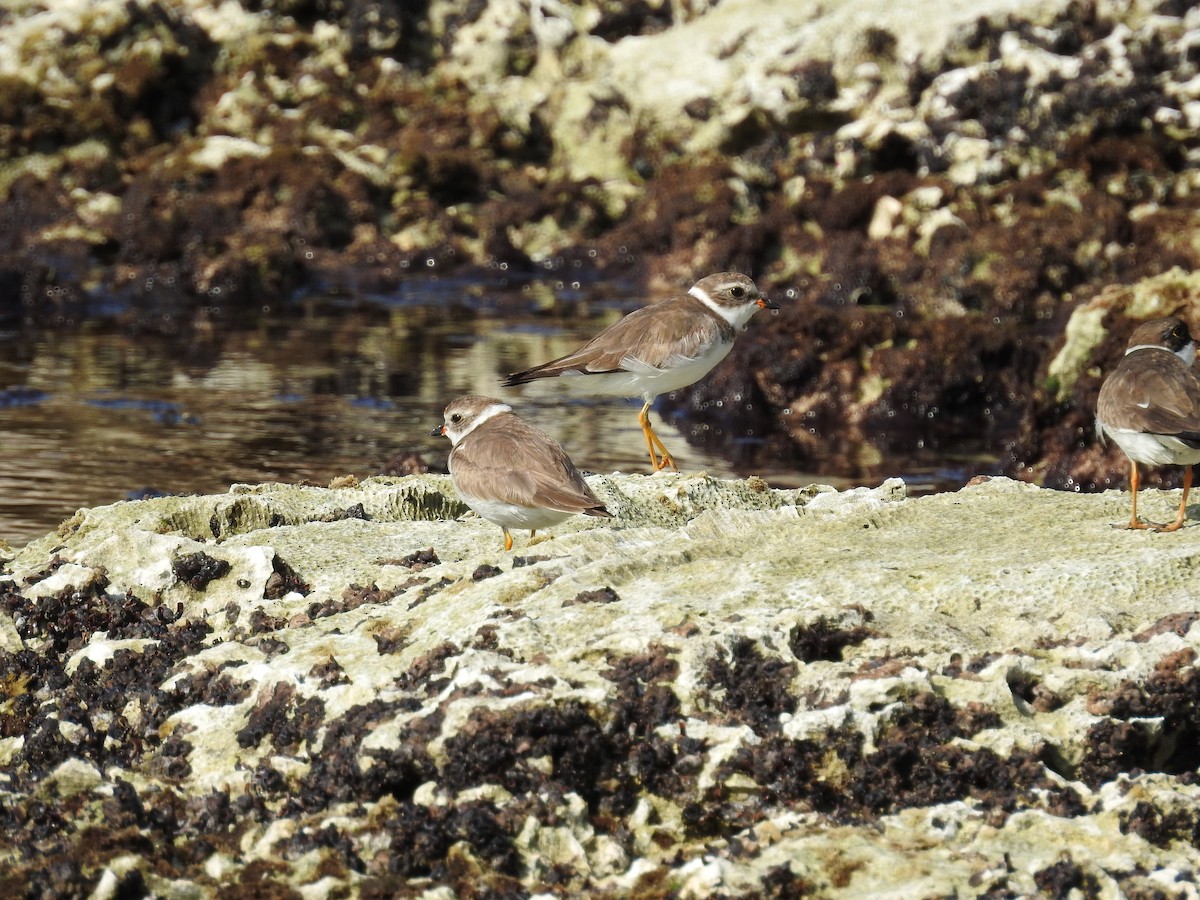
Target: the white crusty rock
pixel 852 692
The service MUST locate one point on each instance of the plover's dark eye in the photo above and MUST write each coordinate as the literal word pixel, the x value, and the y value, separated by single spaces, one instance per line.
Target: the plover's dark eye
pixel 737 292
pixel 456 418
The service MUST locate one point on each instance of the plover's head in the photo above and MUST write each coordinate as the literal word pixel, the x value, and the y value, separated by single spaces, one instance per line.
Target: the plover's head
pixel 464 415
pixel 732 296
pixel 1170 334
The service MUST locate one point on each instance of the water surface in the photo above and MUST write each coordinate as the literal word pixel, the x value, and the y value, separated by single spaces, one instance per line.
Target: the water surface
pixel 134 403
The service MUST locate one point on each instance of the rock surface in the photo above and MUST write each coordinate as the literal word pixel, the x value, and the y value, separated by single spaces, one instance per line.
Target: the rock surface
pixel 727 689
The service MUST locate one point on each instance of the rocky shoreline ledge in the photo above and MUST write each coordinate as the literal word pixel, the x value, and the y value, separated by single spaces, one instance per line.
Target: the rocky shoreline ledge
pixel 729 690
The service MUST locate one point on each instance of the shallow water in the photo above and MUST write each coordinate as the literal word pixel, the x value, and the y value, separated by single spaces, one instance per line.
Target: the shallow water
pixel 137 403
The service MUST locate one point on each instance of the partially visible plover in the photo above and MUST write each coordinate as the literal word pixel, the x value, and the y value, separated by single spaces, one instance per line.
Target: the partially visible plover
pixel 1150 407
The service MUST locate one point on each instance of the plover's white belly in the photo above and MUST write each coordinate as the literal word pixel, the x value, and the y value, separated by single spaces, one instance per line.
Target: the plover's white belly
pixel 1153 449
pixel 509 515
pixel 645 381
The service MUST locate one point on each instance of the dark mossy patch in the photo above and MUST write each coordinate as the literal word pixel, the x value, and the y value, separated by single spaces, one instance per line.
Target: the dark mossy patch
pixel 391 638
pixel 646 699
pixel 1113 748
pixel 197 570
pixel 68 619
pixel 485 571
pixel 421 674
pixel 329 673
pixel 543 752
pixel 977 664
pixel 263 879
pixel 1064 878
pixel 339 855
pixel 1162 827
pixel 599 595
pixel 700 196
pixel 283 580
pixel 824 640
pixel 1120 744
pixel 171 762
pixel 338 772
pixel 1179 623
pixel 354 511
pixel 262 622
pixel 1028 688
pixel 656 664
pixel 423 838
pixel 756 688
pixel 916 762
pixel 57 876
pixel 352 597
pixel 270 647
pixel 495 748
pixel 420 559
pixel 93 696
pixel 285 716
pixel 637 17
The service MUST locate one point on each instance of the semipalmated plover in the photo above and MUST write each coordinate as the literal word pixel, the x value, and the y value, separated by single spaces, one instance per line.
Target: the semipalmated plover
pixel 659 348
pixel 1150 406
pixel 509 472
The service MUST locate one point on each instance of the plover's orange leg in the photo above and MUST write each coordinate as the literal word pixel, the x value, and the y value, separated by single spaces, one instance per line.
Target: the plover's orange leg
pixel 648 432
pixel 507 540
pixel 1133 488
pixel 1187 486
pixel 663 459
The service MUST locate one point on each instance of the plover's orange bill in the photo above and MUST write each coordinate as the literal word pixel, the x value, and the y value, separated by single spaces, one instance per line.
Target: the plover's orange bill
pixel 659 348
pixel 1150 407
pixel 509 472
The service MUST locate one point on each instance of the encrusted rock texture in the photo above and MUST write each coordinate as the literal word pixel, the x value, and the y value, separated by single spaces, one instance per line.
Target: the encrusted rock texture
pixel 727 690
pixel 931 191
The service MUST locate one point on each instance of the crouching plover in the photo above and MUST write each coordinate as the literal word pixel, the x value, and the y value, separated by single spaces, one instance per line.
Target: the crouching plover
pixel 509 472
